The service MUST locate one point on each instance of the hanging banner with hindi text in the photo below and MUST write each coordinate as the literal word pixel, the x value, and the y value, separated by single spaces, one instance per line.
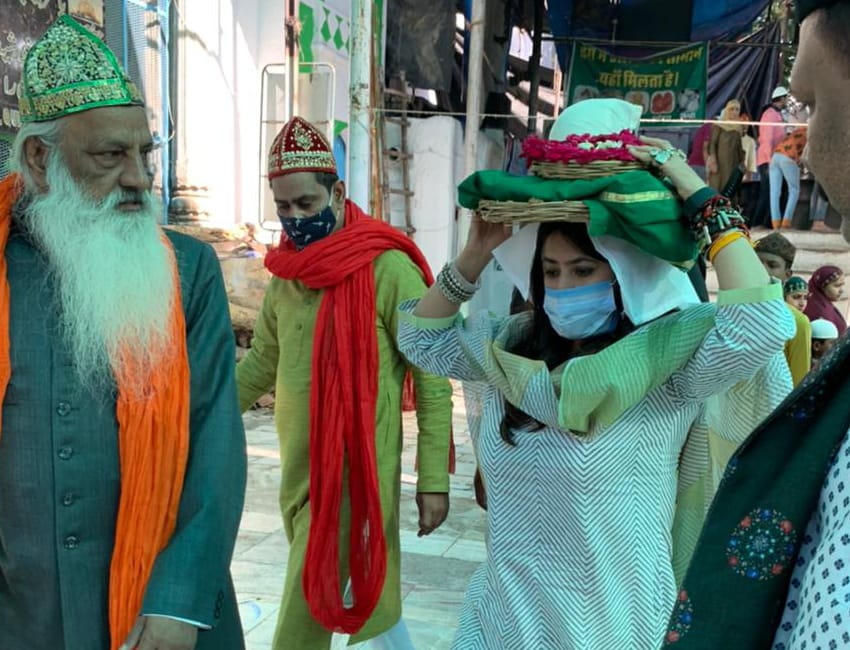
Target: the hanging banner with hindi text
pixel 667 86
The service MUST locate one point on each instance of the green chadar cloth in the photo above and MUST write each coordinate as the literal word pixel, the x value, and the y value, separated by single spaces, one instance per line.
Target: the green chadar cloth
pixel 634 206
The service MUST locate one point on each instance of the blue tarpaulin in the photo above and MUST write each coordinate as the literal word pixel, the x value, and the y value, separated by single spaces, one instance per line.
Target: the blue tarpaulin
pixel 715 19
pixel 711 20
pixel 746 73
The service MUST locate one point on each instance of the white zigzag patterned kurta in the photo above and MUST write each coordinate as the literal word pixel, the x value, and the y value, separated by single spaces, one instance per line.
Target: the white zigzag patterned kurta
pixel 579 527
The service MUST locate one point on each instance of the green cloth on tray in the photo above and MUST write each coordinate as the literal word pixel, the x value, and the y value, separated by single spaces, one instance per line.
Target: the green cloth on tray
pixel 634 206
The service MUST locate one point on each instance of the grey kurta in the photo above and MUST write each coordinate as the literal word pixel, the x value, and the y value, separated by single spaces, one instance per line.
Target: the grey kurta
pixel 60 480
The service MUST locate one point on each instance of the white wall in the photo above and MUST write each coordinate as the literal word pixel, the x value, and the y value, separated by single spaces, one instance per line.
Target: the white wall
pixel 225 46
pixel 222 47
pixel 436 169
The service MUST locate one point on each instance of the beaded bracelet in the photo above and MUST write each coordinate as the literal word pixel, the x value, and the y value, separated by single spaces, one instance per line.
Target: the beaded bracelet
pixel 454 287
pixel 723 241
pixel 716 216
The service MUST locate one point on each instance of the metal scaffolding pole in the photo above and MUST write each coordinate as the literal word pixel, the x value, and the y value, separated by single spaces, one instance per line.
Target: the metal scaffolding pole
pixel 474 96
pixel 292 35
pixel 359 162
pixel 534 67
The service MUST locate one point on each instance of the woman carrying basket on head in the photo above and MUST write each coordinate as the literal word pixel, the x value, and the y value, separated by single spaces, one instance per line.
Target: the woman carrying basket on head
pixel 602 418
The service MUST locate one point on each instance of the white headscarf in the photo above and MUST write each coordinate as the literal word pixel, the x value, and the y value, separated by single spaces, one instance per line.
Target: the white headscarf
pixel 649 286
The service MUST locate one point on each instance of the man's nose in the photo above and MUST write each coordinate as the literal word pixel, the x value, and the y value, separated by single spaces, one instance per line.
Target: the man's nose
pixel 287 213
pixel 136 174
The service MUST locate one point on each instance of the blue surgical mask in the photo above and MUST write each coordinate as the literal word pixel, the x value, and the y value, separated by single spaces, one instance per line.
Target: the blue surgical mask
pixel 307 230
pixel 583 312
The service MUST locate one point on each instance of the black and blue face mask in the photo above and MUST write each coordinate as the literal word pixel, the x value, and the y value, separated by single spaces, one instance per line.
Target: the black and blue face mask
pixel 303 231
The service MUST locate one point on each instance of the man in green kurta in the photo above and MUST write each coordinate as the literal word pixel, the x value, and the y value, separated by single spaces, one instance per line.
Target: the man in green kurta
pixel 325 338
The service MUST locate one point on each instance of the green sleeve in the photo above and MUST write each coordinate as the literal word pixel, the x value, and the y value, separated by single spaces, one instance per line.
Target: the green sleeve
pixel 798 351
pixel 190 575
pixel 771 291
pixel 255 374
pixel 398 279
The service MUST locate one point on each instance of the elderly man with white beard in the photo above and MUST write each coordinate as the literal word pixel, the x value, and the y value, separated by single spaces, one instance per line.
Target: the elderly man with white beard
pixel 122 452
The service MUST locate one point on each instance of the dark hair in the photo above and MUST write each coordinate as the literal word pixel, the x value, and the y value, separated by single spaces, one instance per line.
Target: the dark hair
pixel 542 342
pixel 326 180
pixel 833 27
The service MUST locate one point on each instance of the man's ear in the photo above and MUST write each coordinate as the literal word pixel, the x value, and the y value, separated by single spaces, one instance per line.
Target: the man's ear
pixel 35 155
pixel 788 274
pixel 339 191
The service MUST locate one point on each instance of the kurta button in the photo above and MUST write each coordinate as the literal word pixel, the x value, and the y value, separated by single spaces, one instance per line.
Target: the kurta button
pixel 65 453
pixel 298 327
pixel 63 409
pixel 68 499
pixel 71 542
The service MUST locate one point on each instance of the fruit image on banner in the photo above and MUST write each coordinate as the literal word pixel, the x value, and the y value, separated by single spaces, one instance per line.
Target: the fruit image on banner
pixel 670 85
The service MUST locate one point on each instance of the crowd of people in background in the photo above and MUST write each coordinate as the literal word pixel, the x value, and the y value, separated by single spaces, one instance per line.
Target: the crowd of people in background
pixel 650 475
pixel 812 303
pixel 775 161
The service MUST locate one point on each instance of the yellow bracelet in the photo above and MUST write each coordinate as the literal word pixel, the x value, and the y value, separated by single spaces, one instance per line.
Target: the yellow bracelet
pixel 722 242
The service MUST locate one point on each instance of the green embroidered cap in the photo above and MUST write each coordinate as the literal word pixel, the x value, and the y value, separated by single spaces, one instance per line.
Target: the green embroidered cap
pixel 69 70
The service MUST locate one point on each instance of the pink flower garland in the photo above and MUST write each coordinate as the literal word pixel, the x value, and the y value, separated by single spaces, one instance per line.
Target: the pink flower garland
pixel 581 149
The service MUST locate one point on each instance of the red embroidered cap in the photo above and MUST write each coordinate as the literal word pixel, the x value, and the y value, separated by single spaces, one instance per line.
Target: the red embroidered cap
pixel 300 147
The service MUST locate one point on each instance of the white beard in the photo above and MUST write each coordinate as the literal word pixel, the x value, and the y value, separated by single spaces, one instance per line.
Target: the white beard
pixel 113 276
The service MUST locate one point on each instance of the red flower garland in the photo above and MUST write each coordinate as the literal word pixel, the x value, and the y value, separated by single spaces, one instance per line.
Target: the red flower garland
pixel 581 149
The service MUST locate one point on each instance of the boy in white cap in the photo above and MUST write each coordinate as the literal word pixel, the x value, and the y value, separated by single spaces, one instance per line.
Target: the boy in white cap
pixel 824 336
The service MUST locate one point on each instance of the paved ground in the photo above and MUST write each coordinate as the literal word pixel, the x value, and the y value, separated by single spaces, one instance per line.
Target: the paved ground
pixel 435 569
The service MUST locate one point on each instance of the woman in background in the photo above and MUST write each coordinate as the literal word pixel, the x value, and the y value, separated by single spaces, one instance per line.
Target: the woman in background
pixel 725 152
pixel 826 287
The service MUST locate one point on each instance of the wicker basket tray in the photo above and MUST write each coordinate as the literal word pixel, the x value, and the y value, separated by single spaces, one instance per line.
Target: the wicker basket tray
pixel 532 211
pixel 573 171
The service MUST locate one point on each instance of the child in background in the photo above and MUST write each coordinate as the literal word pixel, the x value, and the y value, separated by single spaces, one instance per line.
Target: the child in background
pixel 748 144
pixel 824 336
pixel 776 254
pixel 796 292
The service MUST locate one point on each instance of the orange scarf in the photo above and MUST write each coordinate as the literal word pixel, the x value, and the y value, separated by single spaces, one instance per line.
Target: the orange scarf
pixel 343 397
pixel 153 435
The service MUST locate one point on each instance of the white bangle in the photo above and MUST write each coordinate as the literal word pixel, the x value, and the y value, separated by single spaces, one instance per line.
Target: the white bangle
pixel 454 287
pixel 466 284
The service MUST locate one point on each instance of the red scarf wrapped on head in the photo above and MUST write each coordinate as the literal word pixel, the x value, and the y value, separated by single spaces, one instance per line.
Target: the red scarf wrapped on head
pixel 343 397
